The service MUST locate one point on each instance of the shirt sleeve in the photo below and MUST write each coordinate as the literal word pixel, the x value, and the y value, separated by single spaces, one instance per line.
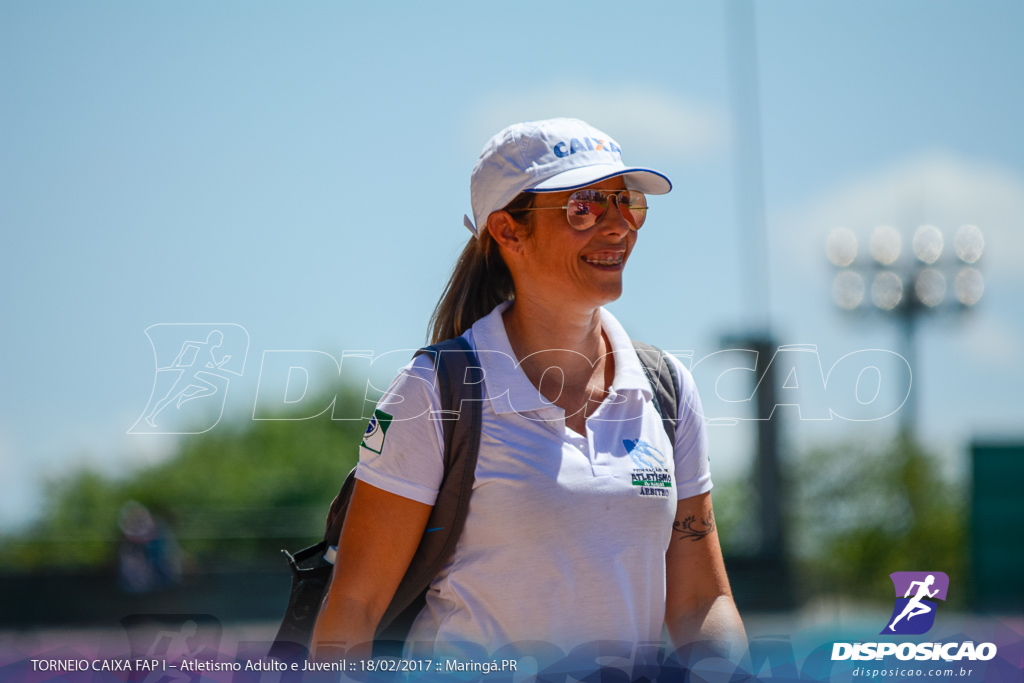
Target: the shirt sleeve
pixel 402 450
pixel 693 468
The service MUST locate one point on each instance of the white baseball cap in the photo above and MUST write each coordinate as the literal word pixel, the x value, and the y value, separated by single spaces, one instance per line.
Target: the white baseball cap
pixel 549 156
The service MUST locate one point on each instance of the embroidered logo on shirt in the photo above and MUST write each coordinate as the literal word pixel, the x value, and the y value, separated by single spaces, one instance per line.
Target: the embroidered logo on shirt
pixel 644 454
pixel 650 474
pixel 373 438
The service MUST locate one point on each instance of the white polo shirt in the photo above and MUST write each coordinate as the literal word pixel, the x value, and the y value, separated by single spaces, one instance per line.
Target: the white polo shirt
pixel 566 534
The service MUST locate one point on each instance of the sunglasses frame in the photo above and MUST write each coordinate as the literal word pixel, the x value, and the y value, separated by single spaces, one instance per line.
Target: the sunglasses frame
pixel 616 194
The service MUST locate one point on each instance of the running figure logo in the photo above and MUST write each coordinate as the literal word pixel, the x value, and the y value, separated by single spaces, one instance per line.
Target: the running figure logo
pixel 915 614
pixel 193 361
pixel 172 639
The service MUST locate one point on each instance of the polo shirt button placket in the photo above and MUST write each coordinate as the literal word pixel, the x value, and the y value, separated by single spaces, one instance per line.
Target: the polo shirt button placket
pixel 584 446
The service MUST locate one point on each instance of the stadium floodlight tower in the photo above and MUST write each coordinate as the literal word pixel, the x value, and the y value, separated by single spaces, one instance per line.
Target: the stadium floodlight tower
pixel 905 289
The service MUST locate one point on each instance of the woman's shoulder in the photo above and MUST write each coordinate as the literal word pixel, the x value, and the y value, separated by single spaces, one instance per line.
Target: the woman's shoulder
pixel 687 399
pixel 684 377
pixel 684 383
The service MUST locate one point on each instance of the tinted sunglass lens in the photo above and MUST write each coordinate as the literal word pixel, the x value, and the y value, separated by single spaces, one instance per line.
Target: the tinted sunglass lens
pixel 633 206
pixel 585 208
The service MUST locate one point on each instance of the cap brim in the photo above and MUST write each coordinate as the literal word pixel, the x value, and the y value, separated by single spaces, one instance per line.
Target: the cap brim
pixel 645 180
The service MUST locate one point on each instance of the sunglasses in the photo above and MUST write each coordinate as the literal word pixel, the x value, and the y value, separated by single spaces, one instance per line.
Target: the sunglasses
pixel 586 207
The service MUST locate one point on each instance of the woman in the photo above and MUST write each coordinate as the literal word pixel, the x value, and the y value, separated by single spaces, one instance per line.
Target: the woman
pixel 562 543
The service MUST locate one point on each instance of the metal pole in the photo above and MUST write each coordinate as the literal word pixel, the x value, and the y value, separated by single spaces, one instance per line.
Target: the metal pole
pixel 767 469
pixel 907 325
pixel 749 182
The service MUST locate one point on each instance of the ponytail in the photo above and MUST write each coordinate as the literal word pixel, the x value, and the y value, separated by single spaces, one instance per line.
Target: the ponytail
pixel 480 281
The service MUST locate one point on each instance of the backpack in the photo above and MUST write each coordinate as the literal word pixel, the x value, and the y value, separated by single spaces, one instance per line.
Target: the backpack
pixel 311 572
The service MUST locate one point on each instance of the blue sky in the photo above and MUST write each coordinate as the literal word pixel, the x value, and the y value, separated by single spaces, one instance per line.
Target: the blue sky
pixel 302 171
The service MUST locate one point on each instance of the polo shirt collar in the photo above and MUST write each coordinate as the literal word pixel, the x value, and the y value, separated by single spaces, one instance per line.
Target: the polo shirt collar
pixel 629 373
pixel 509 389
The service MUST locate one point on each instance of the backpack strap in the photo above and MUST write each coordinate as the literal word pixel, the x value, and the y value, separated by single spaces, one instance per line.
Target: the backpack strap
pixel 460 387
pixel 459 379
pixel 662 376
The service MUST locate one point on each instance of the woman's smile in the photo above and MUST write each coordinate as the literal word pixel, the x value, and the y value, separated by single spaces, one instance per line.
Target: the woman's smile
pixel 606 260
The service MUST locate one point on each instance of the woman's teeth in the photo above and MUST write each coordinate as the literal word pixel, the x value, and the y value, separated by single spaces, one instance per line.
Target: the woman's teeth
pixel 604 261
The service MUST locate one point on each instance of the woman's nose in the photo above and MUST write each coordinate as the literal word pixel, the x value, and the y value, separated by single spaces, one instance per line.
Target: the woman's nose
pixel 612 220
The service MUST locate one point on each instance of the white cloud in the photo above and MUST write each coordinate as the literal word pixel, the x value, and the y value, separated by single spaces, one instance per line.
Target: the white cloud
pixel 937 188
pixel 649 124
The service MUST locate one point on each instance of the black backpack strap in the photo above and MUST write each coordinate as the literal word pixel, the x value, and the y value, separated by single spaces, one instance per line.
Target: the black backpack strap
pixel 459 379
pixel 662 376
pixel 460 387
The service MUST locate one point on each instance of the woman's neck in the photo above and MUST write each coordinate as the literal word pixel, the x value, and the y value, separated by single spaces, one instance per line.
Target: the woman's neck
pixel 536 325
pixel 544 337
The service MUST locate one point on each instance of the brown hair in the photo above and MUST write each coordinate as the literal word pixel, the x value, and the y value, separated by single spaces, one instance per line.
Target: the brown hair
pixel 480 281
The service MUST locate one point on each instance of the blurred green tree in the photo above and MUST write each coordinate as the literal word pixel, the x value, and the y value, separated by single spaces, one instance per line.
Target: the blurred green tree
pixel 861 513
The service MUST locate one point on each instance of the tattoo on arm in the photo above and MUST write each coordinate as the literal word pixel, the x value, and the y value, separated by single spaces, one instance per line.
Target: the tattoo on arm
pixel 695 529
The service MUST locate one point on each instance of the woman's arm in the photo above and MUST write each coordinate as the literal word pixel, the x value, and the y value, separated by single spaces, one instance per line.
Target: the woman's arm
pixel 381 533
pixel 699 604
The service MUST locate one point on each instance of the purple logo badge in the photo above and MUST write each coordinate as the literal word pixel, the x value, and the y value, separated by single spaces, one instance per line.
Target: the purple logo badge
pixel 916 593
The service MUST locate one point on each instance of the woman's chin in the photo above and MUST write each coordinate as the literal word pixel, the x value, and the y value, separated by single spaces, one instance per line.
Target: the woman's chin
pixel 605 292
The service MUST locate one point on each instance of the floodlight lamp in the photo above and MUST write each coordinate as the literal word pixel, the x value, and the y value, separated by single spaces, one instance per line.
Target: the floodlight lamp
pixel 841 247
pixel 887 290
pixel 885 244
pixel 930 287
pixel 928 243
pixel 848 289
pixel 969 243
pixel 969 286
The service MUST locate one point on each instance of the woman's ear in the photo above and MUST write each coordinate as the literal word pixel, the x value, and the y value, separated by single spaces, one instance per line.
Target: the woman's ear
pixel 504 230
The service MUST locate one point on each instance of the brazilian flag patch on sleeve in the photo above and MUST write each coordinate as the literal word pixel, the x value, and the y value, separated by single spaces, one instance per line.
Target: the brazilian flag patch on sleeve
pixel 373 439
